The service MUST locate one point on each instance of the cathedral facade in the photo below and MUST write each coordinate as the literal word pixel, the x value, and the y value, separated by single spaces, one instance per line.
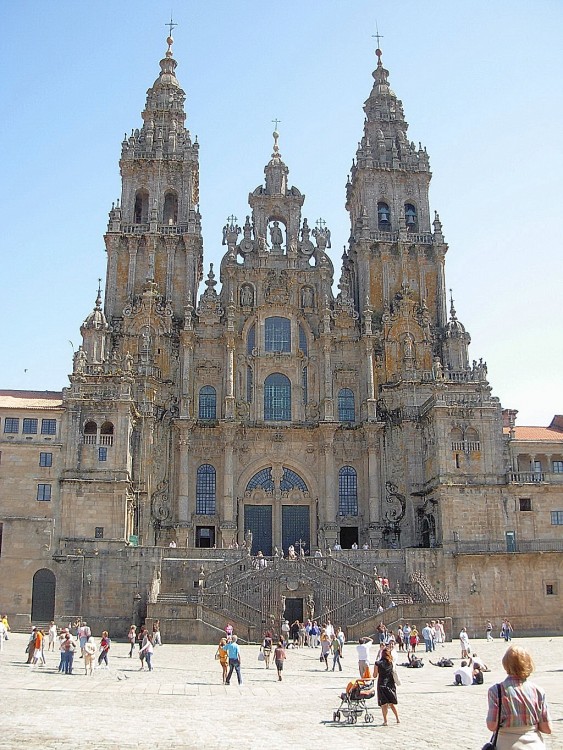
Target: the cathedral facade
pixel 272 413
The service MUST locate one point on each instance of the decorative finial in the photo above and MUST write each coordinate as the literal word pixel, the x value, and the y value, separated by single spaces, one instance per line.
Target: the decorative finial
pixel 276 135
pixel 99 297
pixel 452 308
pixel 378 36
pixel 170 41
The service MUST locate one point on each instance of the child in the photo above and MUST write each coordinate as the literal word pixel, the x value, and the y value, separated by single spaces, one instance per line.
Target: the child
pixel 279 658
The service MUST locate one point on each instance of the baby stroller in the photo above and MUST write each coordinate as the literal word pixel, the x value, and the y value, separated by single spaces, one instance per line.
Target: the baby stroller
pixel 353 702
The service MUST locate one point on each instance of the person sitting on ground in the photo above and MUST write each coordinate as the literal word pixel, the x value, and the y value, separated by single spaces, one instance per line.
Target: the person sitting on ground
pixel 477 675
pixel 477 662
pixel 443 662
pixel 464 675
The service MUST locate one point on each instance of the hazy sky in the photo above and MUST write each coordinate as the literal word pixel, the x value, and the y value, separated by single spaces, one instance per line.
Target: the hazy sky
pixel 481 88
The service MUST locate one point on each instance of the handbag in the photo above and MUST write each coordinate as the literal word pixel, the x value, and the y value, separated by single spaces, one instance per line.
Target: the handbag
pixel 491 745
pixel 260 656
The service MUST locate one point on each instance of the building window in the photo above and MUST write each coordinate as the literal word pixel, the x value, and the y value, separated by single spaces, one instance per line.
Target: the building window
pixel 106 434
pixel 249 384
pixel 45 459
pixel 292 481
pixel 170 208
pixel 558 467
pixel 277 398
pixel 44 492
pixel 99 532
pixel 525 503
pixel 262 479
pixel 48 426
pixel 410 217
pixel 551 588
pixel 302 340
pixel 205 490
pixel 141 211
pixel 102 454
pixel 207 402
pixel 11 425
pixel 347 491
pixel 251 340
pixel 90 433
pixel 278 335
pixel 346 406
pixel 383 216
pixel 30 427
pixel 557 517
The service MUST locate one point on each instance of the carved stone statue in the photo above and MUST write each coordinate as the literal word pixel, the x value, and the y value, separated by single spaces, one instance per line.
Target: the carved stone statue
pixel 307 297
pixel 246 296
pixel 248 540
pixel 437 369
pixel 276 237
pixel 80 361
pixel 310 607
pixel 282 604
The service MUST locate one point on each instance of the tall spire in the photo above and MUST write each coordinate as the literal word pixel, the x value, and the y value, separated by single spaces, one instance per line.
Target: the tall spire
pixel 276 171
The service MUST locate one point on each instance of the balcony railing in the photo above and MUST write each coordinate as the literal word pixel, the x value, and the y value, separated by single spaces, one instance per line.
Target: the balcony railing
pixel 501 545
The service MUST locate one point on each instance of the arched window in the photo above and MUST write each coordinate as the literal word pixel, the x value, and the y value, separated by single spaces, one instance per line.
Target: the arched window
pixel 262 479
pixel 249 384
pixel 106 434
pixel 347 491
pixel 278 335
pixel 251 339
pixel 346 406
pixel 207 403
pixel 205 491
pixel 383 216
pixel 277 398
pixel 303 340
pixel 170 213
pixel 290 480
pixel 410 217
pixel 141 213
pixel 90 433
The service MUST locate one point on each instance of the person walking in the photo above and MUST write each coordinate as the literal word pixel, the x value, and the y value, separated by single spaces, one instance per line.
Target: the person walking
pixel 464 643
pixel 489 630
pixel 223 658
pixel 52 636
pixel 233 652
pixel 279 658
pixel 148 650
pixel 325 650
pixel 132 637
pixel 413 639
pixel 267 648
pixel 524 713
pixel 363 649
pixel 68 648
pixel 105 645
pixel 89 652
pixel 336 648
pixel 386 688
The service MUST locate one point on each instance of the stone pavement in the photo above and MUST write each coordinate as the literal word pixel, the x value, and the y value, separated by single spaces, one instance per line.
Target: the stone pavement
pixel 182 703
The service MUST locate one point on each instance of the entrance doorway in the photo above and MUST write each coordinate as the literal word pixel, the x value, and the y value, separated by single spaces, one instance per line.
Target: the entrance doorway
pixel 205 536
pixel 293 610
pixel 296 528
pixel 258 519
pixel 43 596
pixel 348 536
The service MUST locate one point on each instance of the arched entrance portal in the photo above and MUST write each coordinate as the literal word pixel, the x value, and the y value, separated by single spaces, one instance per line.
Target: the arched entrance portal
pixel 277 511
pixel 43 596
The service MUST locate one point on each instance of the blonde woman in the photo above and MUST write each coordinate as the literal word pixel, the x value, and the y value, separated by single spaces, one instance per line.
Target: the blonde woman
pixel 222 657
pixel 524 713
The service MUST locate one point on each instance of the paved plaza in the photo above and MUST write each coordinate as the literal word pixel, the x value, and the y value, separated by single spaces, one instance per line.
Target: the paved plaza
pixel 182 703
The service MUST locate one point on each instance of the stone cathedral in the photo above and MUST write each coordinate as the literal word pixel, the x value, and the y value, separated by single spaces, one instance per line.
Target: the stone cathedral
pixel 342 437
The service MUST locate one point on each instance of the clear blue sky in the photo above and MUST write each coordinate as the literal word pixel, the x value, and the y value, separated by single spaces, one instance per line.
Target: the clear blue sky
pixel 481 87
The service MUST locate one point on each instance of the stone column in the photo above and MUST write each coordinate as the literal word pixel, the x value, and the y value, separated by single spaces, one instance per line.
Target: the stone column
pixel 374 485
pixel 183 478
pixel 133 248
pixel 328 399
pixel 442 299
pixel 371 400
pixel 229 385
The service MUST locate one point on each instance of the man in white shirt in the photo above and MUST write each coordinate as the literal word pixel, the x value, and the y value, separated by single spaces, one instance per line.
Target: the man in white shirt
pixel 363 649
pixel 463 675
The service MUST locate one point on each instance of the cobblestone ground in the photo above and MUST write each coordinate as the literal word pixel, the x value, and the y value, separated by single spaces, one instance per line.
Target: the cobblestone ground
pixel 182 703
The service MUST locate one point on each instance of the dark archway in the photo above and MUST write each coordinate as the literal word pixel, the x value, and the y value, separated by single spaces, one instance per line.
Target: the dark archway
pixel 43 596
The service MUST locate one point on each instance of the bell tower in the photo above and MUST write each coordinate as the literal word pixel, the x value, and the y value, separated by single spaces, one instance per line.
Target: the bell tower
pixel 154 232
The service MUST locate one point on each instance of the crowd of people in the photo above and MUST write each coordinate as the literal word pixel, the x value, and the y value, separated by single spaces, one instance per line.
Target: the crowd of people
pixel 77 640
